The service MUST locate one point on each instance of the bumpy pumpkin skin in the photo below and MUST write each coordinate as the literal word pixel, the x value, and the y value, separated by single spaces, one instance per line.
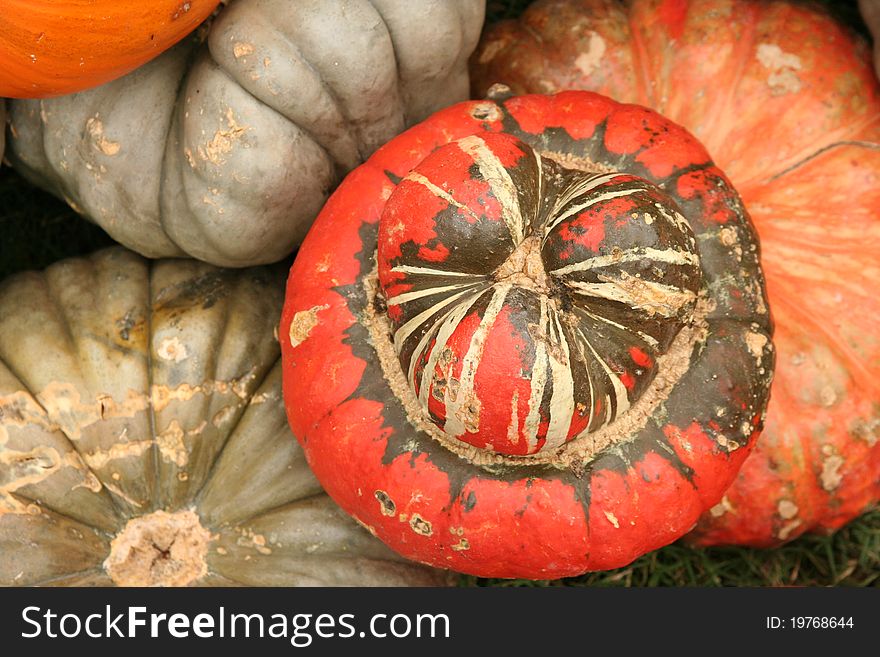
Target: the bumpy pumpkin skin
pixel 140 406
pixel 494 509
pixel 225 151
pixel 787 103
pixel 47 48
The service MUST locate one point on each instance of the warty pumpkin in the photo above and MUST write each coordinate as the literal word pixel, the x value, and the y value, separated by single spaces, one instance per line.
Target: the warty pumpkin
pixel 225 151
pixel 528 337
pixel 49 48
pixel 143 440
pixel 788 104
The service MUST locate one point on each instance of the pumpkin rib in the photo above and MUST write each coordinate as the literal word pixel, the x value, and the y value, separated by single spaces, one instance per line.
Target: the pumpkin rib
pixel 857 370
pixel 799 159
pixel 644 88
pixel 861 144
pixel 261 514
pixel 713 135
pixel 52 581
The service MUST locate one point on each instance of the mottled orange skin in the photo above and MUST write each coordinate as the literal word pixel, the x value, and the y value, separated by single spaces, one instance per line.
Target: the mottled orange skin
pixel 787 103
pixel 48 48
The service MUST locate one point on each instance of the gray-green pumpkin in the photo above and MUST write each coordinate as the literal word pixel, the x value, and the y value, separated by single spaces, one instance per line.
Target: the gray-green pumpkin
pixel 225 147
pixel 143 440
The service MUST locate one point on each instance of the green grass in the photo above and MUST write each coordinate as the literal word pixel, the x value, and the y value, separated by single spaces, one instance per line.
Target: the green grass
pixel 36 229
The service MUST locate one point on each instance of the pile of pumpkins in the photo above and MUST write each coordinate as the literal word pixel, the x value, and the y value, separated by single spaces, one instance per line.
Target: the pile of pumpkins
pixel 624 296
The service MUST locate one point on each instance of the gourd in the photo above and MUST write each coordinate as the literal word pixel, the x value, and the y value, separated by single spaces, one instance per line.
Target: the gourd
pixel 225 147
pixel 528 337
pixel 48 48
pixel 143 440
pixel 788 104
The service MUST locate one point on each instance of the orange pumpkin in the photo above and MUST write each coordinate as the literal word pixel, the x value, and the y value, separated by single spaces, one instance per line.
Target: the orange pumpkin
pixel 787 103
pixel 48 48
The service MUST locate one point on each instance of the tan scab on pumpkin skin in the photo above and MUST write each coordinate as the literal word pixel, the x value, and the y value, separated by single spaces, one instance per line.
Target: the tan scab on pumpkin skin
pixel 587 62
pixel 241 49
pixel 223 141
pixel 95 130
pixel 724 506
pixel 831 464
pixel 783 68
pixel 302 324
pixel 172 349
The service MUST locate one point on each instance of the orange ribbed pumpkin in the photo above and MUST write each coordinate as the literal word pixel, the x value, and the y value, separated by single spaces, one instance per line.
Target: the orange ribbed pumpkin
pixel 49 48
pixel 786 101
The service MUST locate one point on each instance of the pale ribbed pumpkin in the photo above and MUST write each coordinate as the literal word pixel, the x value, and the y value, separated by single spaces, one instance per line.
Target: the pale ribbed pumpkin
pixel 225 147
pixel 143 440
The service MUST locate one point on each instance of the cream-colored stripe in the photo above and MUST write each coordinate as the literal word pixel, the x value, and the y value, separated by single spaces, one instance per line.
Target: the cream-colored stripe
pixel 406 297
pixel 644 336
pixel 607 196
pixel 540 201
pixel 585 360
pixel 668 256
pixel 653 298
pixel 427 271
pixel 537 384
pixel 447 328
pixel 416 177
pixel 581 188
pixel 500 182
pixel 562 397
pixel 454 425
pixel 620 395
pixel 401 335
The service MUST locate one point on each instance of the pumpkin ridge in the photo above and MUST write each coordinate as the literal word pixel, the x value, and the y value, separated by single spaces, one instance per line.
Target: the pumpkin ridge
pixel 857 143
pixel 151 410
pixel 714 138
pixel 60 313
pixel 857 370
pixel 166 141
pixel 261 514
pixel 330 93
pixel 60 578
pixel 799 159
pixel 644 88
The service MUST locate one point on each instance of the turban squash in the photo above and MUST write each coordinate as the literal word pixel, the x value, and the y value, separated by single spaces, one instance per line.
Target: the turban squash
pixel 49 48
pixel 787 103
pixel 143 440
pixel 225 150
pixel 528 337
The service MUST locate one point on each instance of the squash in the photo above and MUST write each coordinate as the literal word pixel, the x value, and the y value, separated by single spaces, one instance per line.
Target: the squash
pixel 528 337
pixel 788 104
pixel 48 48
pixel 143 440
pixel 226 151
